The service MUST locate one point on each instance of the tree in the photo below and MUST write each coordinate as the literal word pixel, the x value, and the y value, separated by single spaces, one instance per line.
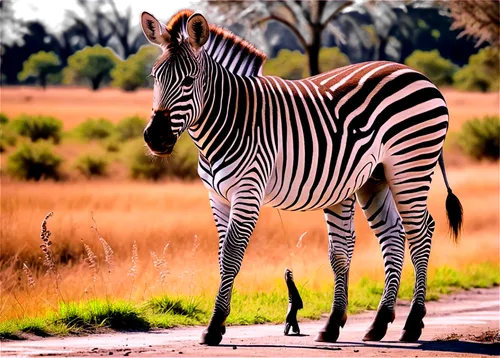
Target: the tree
pixel 133 73
pixel 92 63
pixel 307 20
pixel 481 74
pixel 40 65
pixel 438 69
pixel 479 18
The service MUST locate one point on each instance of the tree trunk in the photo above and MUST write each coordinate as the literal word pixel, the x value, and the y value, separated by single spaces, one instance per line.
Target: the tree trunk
pixel 43 80
pixel 96 82
pixel 312 52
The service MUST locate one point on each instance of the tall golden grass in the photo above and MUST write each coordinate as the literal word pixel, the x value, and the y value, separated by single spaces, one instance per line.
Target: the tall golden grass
pixel 150 216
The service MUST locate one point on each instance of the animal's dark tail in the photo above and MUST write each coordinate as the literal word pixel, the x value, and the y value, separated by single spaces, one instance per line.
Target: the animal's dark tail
pixel 454 209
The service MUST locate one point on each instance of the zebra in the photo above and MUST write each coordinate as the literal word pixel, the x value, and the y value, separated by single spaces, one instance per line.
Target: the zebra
pixel 371 132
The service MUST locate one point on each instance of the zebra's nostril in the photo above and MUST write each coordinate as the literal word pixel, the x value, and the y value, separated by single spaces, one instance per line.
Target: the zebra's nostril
pixel 146 136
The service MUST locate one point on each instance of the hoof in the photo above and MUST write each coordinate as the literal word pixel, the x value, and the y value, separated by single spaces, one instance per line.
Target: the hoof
pixel 211 338
pixel 375 334
pixel 329 336
pixel 378 329
pixel 411 334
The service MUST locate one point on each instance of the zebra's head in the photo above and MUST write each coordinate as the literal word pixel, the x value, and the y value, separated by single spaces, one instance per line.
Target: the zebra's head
pixel 178 82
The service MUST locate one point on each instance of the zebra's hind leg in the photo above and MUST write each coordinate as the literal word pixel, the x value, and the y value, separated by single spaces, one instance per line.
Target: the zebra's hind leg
pixel 341 237
pixel 410 185
pixel 379 208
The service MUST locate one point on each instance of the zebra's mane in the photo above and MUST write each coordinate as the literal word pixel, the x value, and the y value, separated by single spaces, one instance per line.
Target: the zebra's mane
pixel 231 51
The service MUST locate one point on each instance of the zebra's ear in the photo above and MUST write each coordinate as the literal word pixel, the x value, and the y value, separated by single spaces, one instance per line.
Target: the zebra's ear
pixel 155 31
pixel 198 30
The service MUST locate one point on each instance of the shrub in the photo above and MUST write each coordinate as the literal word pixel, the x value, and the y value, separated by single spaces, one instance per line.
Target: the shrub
pixel 133 73
pixel 38 127
pixel 332 58
pixel 92 64
pixel 183 163
pixel 99 128
pixel 91 165
pixel 438 69
pixel 40 65
pixel 481 138
pixel 7 138
pixel 130 127
pixel 3 118
pixel 482 73
pixel 142 165
pixel 112 145
pixel 292 65
pixel 34 161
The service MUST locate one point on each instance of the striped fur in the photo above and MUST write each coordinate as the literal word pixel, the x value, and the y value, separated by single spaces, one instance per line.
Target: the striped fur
pixel 372 131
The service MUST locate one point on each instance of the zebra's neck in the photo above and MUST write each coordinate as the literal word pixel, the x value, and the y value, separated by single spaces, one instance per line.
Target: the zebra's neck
pixel 228 114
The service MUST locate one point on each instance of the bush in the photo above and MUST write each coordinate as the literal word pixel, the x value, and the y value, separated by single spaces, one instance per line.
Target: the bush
pixel 112 145
pixel 133 73
pixel 34 161
pixel 92 64
pixel 481 74
pixel 91 165
pixel 292 65
pixel 183 163
pixel 38 127
pixel 99 128
pixel 3 118
pixel 40 65
pixel 142 165
pixel 130 127
pixel 7 138
pixel 480 139
pixel 438 69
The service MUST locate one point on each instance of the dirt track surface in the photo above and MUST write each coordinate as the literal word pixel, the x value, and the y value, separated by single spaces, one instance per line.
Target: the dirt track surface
pixel 452 327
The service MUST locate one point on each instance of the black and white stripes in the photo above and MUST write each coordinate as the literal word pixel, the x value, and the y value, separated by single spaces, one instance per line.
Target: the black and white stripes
pixel 372 131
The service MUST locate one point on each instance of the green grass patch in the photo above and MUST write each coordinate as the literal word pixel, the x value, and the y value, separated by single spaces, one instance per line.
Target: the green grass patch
pixel 247 308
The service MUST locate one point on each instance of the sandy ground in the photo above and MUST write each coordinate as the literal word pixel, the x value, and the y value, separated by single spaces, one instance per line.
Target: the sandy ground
pixel 454 325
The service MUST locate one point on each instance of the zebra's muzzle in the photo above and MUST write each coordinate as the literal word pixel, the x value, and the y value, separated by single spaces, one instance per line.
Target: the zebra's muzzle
pixel 158 134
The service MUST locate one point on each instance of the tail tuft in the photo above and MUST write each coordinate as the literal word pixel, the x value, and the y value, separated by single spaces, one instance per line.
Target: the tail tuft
pixel 455 214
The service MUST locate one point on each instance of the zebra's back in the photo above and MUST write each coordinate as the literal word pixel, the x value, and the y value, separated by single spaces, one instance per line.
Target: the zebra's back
pixel 333 129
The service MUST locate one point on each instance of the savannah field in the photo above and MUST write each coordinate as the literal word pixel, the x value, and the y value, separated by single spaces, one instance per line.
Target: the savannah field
pixel 149 216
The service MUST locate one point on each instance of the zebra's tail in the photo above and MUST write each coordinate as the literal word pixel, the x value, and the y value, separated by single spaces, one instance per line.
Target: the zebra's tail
pixel 454 209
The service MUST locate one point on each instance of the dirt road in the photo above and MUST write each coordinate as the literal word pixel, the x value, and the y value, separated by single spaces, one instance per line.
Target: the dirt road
pixel 455 326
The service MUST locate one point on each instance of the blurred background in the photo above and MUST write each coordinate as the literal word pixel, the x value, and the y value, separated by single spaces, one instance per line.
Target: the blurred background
pixel 76 95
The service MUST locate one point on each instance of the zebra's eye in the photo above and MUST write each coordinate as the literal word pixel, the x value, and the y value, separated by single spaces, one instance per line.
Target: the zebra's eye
pixel 187 82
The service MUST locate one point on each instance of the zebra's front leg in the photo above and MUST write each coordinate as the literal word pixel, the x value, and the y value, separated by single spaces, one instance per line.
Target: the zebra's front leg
pixel 243 217
pixel 341 237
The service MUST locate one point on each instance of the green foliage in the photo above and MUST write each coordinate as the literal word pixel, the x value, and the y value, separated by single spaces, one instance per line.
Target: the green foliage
pixel 99 128
pixel 439 70
pixel 97 313
pixel 3 118
pixel 34 161
pixel 480 138
pixel 112 145
pixel 247 308
pixel 92 165
pixel 292 65
pixel 130 127
pixel 40 65
pixel 92 63
pixel 481 74
pixel 133 73
pixel 7 137
pixel 182 163
pixel 38 127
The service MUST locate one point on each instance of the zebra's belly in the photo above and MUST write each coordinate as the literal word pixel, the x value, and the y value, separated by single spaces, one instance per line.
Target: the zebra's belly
pixel 319 184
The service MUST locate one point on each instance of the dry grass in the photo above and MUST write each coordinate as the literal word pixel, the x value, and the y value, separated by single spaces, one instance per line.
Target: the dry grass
pixel 75 105
pixel 154 215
